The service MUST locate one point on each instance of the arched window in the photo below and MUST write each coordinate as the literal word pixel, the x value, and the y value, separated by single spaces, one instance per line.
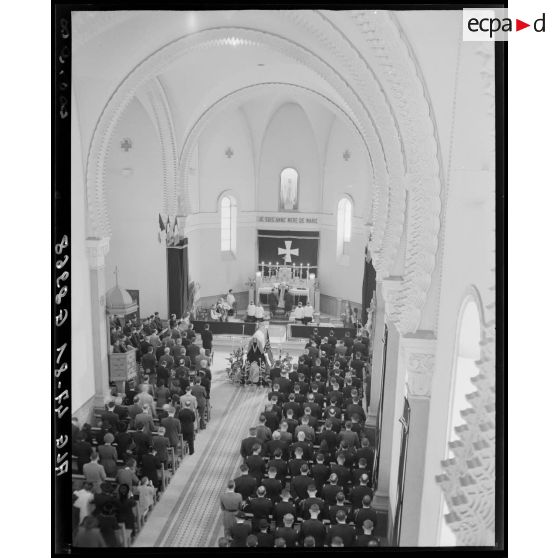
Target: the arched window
pixel 228 224
pixel 344 226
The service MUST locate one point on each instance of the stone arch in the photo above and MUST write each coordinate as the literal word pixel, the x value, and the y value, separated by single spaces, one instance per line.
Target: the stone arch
pixel 385 140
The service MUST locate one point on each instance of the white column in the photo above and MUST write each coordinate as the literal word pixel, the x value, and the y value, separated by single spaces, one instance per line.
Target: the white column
pixel 418 356
pixel 97 249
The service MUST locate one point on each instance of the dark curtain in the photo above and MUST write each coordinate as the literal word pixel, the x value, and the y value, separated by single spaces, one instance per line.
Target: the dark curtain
pixel 177 278
pixel 368 284
pixel 305 242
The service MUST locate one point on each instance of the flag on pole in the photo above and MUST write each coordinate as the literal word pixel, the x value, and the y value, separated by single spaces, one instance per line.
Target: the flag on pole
pixel 161 228
pixel 175 231
pixel 267 347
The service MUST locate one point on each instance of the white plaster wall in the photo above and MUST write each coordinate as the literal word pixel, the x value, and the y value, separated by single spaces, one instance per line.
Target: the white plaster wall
pixel 343 279
pixel 289 141
pixel 217 174
pixel 134 204
pixel 82 371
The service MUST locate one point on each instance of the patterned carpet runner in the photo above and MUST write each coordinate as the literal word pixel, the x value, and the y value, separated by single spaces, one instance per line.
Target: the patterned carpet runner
pixel 188 514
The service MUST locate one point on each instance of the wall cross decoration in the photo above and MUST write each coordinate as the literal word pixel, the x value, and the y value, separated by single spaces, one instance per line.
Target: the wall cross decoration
pixel 346 155
pixel 229 152
pixel 126 144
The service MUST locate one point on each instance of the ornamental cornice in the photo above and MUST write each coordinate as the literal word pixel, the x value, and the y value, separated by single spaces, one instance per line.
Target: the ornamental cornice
pixel 400 75
pixel 165 129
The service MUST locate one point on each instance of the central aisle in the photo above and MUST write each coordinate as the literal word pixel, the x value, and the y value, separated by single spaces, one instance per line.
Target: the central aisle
pixel 188 513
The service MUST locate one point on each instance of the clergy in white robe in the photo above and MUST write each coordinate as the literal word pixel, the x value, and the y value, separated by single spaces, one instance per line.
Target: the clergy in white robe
pixel 299 313
pixel 308 313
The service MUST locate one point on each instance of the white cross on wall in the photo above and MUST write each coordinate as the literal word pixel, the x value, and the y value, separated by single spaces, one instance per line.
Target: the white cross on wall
pixel 287 251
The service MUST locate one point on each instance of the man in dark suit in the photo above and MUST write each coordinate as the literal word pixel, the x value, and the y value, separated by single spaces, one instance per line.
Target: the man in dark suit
pixel 275 443
pixel 285 385
pixel 318 369
pixel 172 427
pixel 245 484
pixel 142 442
pixel 255 463
pixel 340 504
pixel 284 507
pixel 292 423
pixel 280 465
pixel 247 444
pixel 313 527
pixel 187 418
pixel 82 450
pixel 192 351
pixel 272 485
pixel 287 532
pixel 297 462
pixel 110 416
pixel 307 447
pixel 342 530
pixel 360 491
pixel 207 338
pixel 301 482
pixel 260 506
pixel 320 472
pixel 342 472
pixel 240 530
pixel 275 372
pixel 264 536
pixel 271 417
pixel 364 512
pixel 367 453
pixel 293 405
pixel 312 500
pixel 199 392
pixel 330 490
pixel 150 466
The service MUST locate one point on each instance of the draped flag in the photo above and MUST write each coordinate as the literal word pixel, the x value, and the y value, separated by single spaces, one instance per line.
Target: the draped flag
pixel 267 347
pixel 368 281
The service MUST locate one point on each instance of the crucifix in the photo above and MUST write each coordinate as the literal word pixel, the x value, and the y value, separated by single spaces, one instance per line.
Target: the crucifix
pixel 126 144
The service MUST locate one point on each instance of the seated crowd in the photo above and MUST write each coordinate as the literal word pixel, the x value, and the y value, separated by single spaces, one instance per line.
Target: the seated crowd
pixel 306 479
pixel 124 462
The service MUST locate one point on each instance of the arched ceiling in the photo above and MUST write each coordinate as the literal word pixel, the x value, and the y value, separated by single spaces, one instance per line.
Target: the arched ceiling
pixel 380 87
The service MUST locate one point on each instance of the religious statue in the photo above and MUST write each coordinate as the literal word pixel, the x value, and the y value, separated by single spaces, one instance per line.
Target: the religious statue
pixel 289 189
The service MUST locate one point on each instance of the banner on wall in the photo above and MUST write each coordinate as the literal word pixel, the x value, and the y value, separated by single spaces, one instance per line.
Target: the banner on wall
pixel 289 247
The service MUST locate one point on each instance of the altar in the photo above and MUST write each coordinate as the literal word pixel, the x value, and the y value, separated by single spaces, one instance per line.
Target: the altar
pixel 300 280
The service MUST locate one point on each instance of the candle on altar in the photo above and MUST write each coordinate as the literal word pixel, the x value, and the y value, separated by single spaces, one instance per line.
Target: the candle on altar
pixel 307 270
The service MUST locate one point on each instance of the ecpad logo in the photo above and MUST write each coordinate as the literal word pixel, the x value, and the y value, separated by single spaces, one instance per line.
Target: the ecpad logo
pixel 495 25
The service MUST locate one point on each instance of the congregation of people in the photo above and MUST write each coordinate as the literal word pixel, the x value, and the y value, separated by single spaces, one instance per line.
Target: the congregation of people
pixel 123 463
pixel 306 476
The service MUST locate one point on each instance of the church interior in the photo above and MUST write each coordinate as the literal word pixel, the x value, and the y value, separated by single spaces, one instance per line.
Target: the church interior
pixel 284 176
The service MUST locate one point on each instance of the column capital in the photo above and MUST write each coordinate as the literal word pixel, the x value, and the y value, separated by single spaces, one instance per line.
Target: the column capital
pixel 419 354
pixel 390 288
pixel 97 249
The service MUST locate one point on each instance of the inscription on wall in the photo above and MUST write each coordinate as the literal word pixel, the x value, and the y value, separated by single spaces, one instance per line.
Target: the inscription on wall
pixel 287 220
